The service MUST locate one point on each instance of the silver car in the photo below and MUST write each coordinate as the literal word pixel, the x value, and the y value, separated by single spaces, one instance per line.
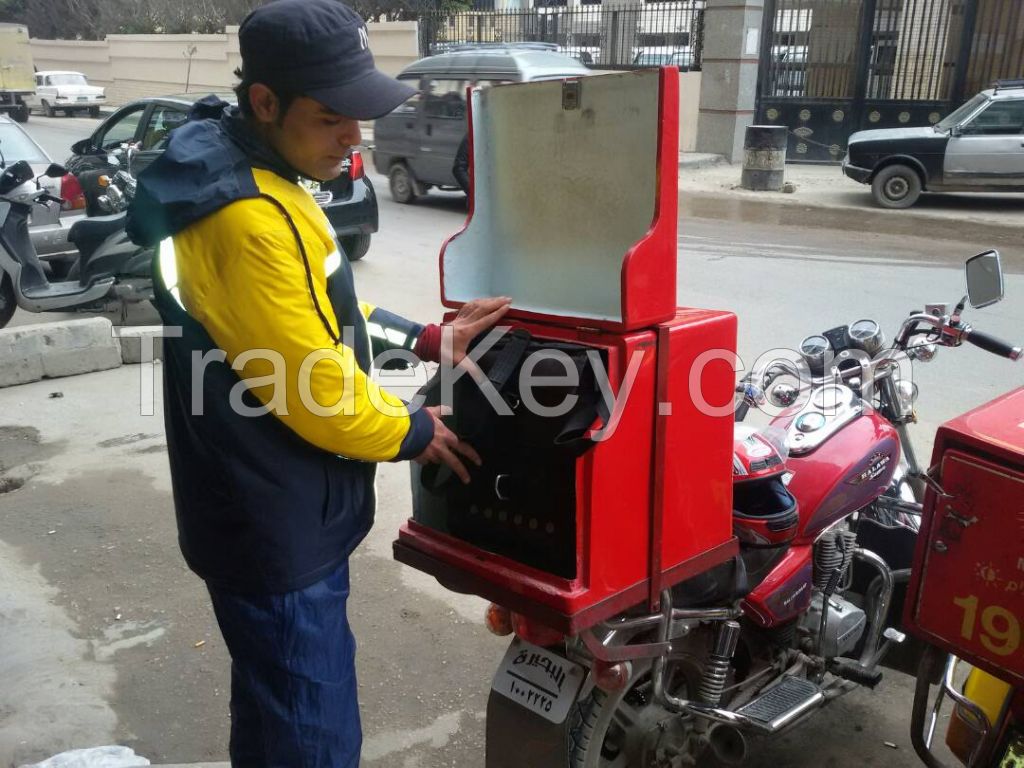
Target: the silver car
pixel 415 146
pixel 977 148
pixel 49 225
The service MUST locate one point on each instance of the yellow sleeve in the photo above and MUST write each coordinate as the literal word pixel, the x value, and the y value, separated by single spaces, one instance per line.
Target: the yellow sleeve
pixel 367 309
pixel 260 312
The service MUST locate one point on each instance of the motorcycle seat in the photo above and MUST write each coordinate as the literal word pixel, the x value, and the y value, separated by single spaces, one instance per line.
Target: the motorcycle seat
pixel 87 234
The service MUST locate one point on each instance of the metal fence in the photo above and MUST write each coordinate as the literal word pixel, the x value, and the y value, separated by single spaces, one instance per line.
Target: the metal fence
pixel 601 36
pixel 889 49
pixel 831 67
pixel 916 50
pixel 996 32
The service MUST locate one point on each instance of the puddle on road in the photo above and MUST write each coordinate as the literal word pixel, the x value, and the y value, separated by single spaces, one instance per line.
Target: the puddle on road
pixel 19 448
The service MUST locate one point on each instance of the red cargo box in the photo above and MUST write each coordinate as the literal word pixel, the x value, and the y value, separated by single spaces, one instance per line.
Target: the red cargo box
pixel 574 216
pixel 967 587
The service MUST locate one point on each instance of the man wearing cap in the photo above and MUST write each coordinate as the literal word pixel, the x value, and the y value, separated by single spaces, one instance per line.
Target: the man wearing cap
pixel 274 426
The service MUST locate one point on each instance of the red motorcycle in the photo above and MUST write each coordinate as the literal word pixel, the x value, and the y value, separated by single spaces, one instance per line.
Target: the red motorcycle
pixel 827 509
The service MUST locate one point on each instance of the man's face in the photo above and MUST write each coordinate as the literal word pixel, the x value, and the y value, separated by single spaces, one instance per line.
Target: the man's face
pixel 313 140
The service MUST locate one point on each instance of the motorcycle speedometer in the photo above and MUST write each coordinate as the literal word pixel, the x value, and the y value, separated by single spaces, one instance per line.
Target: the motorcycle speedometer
pixel 867 335
pixel 814 349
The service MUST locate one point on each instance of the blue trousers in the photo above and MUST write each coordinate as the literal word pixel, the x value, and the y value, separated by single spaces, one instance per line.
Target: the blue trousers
pixel 294 699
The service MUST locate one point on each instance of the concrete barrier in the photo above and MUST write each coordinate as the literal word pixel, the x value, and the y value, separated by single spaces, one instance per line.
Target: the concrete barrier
pixel 132 339
pixel 52 350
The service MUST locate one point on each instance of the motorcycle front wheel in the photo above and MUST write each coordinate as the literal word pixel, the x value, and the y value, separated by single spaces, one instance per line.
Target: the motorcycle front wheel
pixel 8 301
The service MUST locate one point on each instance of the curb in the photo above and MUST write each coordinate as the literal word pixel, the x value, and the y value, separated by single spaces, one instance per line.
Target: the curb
pixel 140 343
pixel 693 161
pixel 53 350
pixel 783 209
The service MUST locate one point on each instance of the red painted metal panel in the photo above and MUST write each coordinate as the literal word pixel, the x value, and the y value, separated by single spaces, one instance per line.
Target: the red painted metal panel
pixel 649 271
pixel 973 565
pixel 654 498
pixel 786 593
pixel 648 275
pixel 693 469
pixel 616 482
pixel 966 593
pixel 845 474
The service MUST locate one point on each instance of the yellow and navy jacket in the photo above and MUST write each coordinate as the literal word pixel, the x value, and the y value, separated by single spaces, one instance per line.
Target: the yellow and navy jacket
pixel 273 422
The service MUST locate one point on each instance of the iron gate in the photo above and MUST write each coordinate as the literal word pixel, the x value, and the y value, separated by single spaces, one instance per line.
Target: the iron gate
pixel 833 67
pixel 613 35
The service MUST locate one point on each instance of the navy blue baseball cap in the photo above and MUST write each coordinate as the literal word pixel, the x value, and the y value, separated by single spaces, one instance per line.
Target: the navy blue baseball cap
pixel 319 49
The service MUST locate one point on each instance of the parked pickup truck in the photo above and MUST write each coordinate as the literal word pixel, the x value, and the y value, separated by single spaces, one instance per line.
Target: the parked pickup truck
pixel 17 81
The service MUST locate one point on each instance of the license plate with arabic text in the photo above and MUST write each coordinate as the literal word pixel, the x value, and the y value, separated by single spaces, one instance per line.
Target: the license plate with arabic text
pixel 539 680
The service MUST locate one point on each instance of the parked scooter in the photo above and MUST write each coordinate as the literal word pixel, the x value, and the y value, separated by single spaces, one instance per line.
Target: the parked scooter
pixel 827 509
pixel 110 272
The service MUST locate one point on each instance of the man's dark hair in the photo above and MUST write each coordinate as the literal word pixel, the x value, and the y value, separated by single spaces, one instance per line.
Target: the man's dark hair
pixel 284 97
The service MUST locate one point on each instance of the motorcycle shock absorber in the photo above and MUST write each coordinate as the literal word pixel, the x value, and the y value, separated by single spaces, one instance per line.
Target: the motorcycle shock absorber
pixel 716 672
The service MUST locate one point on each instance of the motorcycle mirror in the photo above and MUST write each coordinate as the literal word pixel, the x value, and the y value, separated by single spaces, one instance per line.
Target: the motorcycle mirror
pixel 984 279
pixel 55 171
pixel 83 147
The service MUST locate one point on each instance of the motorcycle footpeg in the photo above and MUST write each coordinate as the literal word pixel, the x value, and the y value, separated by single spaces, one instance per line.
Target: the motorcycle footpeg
pixel 855 673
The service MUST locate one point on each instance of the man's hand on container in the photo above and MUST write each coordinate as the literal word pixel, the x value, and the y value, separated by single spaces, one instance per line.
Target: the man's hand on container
pixel 473 318
pixel 446 448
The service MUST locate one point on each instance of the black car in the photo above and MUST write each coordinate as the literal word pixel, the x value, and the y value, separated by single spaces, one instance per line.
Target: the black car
pixel 349 201
pixel 977 148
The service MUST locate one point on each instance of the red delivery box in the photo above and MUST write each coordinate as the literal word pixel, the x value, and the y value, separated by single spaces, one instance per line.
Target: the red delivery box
pixel 967 586
pixel 603 412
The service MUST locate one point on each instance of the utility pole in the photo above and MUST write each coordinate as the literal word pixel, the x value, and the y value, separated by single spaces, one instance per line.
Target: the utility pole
pixel 188 53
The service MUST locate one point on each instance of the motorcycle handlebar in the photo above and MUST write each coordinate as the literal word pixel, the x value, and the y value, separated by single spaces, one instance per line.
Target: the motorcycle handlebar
pixel 993 345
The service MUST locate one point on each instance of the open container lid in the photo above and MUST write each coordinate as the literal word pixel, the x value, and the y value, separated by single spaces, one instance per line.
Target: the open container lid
pixel 574 203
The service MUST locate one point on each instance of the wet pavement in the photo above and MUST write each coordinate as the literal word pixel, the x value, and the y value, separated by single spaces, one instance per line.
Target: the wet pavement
pixel 801 219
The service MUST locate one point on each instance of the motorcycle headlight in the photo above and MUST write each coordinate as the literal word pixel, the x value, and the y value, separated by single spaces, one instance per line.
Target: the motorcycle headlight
pixel 906 395
pixel 924 353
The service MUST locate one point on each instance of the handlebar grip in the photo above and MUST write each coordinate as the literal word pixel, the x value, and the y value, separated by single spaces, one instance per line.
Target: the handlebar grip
pixel 741 411
pixel 52 199
pixel 993 345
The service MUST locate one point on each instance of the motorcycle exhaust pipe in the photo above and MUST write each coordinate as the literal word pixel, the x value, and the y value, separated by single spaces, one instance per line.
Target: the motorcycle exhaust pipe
pixel 728 744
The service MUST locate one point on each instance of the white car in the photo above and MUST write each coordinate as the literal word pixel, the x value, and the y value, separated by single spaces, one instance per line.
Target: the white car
pixel 68 92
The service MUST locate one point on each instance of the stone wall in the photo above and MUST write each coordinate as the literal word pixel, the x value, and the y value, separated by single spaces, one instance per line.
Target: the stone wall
pixel 133 66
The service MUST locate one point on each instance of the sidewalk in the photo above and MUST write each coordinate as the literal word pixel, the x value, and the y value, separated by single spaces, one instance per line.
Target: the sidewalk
pixel 824 197
pixel 825 188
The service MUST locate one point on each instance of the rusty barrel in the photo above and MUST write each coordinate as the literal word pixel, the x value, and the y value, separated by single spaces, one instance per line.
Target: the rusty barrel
pixel 764 157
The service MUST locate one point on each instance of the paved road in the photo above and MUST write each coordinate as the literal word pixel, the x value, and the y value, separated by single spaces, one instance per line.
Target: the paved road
pixel 106 637
pixel 57 134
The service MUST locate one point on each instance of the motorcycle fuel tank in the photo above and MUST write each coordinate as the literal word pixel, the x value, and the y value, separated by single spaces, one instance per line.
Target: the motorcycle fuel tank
pixel 843 457
pixel 649 503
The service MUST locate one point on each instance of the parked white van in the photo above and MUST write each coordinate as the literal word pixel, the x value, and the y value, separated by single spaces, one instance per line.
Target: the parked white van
pixel 68 92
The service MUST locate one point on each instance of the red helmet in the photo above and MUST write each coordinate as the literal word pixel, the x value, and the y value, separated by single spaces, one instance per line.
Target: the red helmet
pixel 754 455
pixel 764 511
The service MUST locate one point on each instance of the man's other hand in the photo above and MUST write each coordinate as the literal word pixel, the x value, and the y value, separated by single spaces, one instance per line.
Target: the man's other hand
pixel 446 448
pixel 473 318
